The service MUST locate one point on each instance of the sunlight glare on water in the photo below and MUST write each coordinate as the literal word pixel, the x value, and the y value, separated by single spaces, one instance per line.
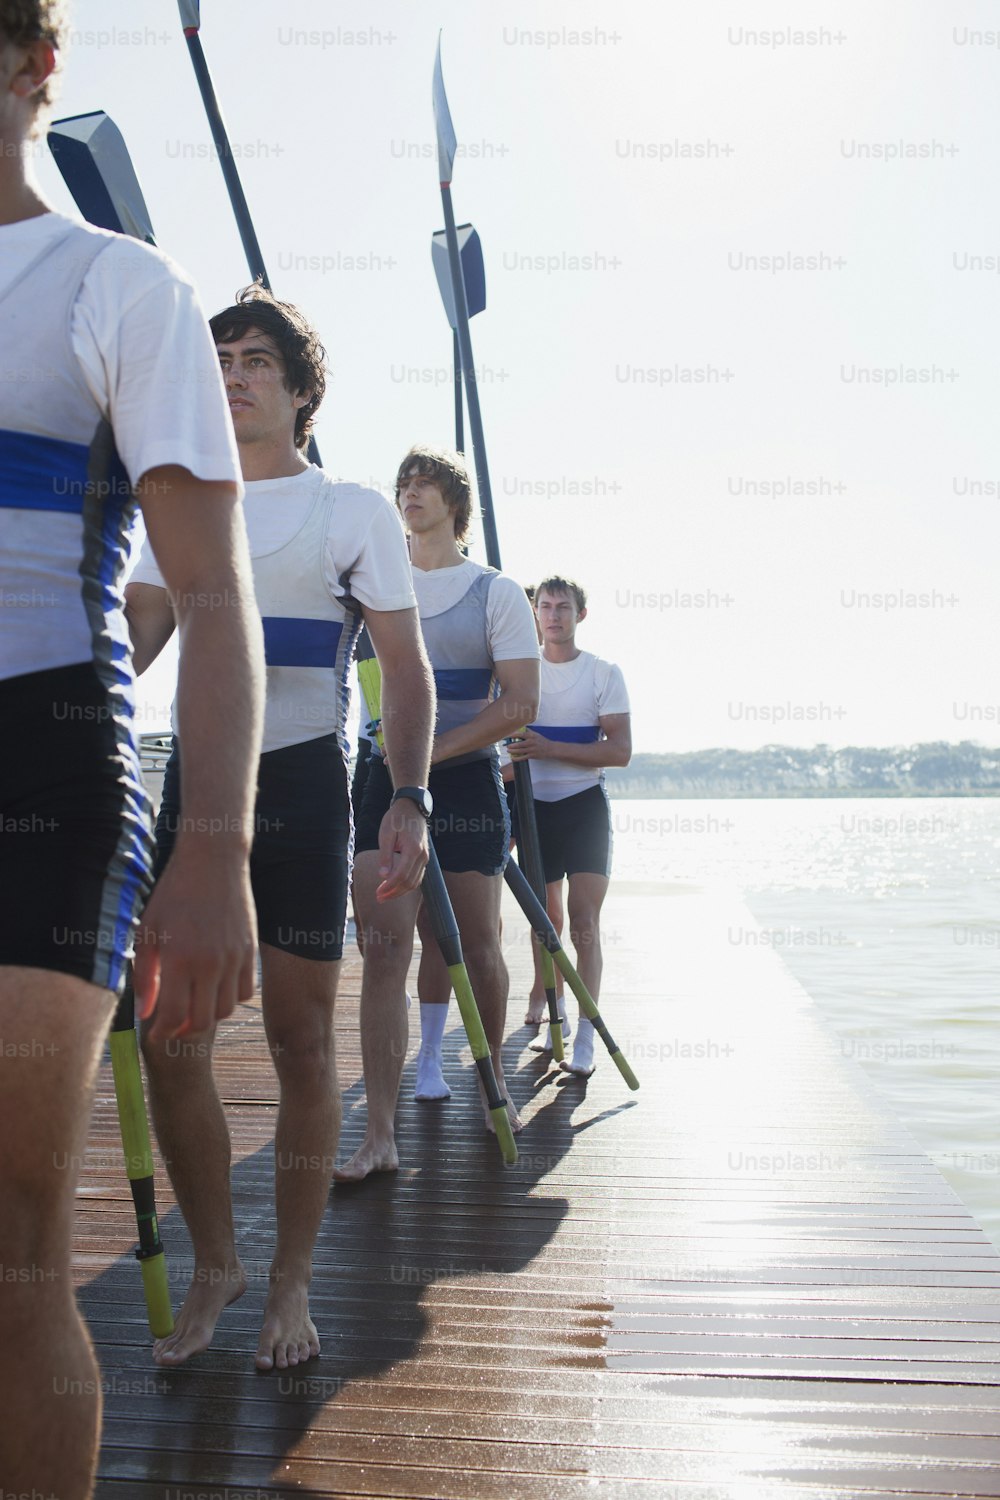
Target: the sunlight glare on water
pixel 887 911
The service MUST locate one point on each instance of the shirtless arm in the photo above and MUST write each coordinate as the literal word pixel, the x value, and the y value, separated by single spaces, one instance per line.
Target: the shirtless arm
pixel 198 931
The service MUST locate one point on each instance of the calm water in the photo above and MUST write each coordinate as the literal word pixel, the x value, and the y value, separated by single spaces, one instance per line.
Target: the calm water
pixel 887 911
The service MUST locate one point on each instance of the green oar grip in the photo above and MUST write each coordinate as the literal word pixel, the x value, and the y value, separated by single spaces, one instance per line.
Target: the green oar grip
pixel 549 939
pixel 124 1046
pixel 589 1008
pixel 552 1000
pixel 480 1048
pixel 157 1290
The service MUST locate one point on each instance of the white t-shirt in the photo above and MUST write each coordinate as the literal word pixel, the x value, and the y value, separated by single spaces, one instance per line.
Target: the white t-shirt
pixel 575 695
pixel 364 557
pixel 510 623
pixel 145 352
pixel 362 544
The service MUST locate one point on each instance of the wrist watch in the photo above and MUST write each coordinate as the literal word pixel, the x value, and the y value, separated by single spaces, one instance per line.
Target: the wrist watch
pixel 418 794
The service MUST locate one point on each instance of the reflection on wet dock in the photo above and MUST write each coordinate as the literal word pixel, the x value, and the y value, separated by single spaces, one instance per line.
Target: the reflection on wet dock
pixel 744 1281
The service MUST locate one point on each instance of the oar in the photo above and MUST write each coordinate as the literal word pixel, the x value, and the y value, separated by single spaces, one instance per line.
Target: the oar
pixel 458 315
pixel 190 12
pixel 445 928
pixel 139 1163
pixel 549 939
pixel 94 161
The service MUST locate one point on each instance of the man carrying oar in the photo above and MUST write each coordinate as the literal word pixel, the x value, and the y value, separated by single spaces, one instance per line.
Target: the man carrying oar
pixel 93 329
pixel 583 726
pixel 479 633
pixel 324 555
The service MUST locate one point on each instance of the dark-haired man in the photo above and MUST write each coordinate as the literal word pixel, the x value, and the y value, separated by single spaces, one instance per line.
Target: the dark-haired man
pixel 480 638
pixel 583 725
pixel 324 556
pixel 93 330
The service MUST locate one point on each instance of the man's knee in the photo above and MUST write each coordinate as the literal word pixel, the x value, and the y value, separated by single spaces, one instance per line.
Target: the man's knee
pixel 585 928
pixel 385 951
pixel 175 1060
pixel 303 1054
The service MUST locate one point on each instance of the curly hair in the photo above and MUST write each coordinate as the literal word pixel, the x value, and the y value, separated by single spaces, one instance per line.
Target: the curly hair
pixel 25 21
pixel 448 469
pixel 297 341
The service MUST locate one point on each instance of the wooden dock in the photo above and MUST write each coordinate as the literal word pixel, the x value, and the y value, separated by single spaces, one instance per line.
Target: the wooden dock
pixel 745 1281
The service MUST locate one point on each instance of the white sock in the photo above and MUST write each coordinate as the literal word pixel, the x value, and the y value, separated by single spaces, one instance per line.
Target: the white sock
pixel 429 1083
pixel 583 1047
pixel 433 1019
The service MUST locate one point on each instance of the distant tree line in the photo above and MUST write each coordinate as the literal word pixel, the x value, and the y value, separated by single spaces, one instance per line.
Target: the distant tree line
pixel 934 769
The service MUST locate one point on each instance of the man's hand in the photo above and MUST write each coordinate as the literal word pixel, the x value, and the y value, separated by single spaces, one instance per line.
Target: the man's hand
pixel 531 746
pixel 402 844
pixel 195 956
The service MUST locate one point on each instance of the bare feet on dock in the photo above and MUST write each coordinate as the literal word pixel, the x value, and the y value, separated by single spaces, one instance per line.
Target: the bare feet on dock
pixel 430 1082
pixel 537 1011
pixel 288 1335
pixel 212 1289
pixel 516 1123
pixel 371 1156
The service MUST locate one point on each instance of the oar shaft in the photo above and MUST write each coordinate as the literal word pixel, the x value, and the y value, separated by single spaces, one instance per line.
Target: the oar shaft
pixel 216 124
pixel 471 387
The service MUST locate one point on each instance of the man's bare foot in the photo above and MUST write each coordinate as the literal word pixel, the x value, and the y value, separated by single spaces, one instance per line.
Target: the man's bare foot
pixel 430 1082
pixel 212 1289
pixel 288 1335
pixel 371 1156
pixel 537 1010
pixel 516 1123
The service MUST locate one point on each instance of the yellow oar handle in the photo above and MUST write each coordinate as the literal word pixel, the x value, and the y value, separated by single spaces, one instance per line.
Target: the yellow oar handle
pixel 555 1022
pixel 548 937
pixel 481 1053
pixel 134 1126
pixel 589 1008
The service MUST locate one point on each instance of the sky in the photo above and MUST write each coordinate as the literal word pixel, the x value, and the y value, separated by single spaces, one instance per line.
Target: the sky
pixel 739 364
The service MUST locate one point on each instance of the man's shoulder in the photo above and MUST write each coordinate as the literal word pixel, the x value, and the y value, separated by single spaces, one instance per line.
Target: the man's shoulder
pixel 345 492
pixel 121 255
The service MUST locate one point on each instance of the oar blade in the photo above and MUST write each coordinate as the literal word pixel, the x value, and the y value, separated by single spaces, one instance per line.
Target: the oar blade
pixel 447 141
pixel 470 250
pixel 96 167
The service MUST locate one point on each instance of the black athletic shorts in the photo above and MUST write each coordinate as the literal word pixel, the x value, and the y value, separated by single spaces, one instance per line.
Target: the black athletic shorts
pixel 75 842
pixel 575 834
pixel 470 824
pixel 300 859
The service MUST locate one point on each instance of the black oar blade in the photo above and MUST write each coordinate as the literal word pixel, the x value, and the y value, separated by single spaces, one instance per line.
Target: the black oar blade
pixel 94 161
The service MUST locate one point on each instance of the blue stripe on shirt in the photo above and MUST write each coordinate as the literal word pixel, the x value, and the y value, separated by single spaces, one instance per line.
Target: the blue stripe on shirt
pixel 291 642
pixel 457 684
pixel 42 473
pixel 581 734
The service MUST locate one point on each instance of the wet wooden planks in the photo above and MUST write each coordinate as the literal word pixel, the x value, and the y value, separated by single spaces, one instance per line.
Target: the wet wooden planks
pixel 746 1280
